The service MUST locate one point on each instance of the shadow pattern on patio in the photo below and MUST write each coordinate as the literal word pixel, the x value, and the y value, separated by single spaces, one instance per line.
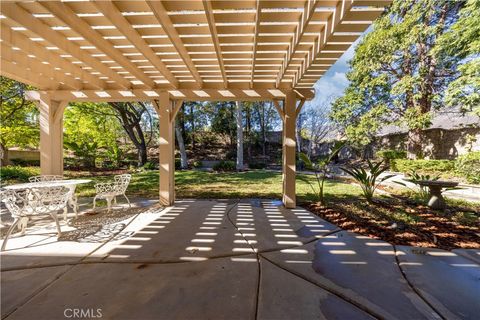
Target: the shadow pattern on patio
pixel 247 259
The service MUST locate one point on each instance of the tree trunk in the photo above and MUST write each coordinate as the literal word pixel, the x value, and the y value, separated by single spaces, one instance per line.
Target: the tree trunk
pixel 298 133
pixel 181 147
pixel 192 122
pixel 414 144
pixel 239 137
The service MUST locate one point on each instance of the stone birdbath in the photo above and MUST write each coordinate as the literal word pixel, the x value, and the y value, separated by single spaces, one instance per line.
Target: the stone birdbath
pixel 436 201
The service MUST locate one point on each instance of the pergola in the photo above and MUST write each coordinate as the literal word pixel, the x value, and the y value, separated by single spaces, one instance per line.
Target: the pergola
pixel 168 52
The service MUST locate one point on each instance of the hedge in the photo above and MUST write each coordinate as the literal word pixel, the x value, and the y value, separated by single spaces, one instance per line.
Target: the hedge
pixel 426 166
pixel 18 173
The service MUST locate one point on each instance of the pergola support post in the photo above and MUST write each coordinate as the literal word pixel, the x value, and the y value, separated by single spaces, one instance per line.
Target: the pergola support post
pixel 289 144
pixel 51 134
pixel 166 152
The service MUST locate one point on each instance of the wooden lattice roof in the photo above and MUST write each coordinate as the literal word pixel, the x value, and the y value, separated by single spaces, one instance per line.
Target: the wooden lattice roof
pixel 126 45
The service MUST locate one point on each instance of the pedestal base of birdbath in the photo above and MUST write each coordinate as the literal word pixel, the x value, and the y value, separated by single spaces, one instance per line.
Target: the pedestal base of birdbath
pixel 436 201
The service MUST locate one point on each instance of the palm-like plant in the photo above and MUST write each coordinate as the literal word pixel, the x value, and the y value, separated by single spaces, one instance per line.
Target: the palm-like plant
pixel 321 169
pixel 369 180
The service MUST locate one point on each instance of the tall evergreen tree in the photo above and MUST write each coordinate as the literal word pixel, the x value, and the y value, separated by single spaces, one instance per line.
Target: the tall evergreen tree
pixel 396 78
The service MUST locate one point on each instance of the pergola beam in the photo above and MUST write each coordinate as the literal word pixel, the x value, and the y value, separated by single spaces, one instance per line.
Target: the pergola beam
pixel 161 14
pixel 213 31
pixel 110 11
pixel 16 39
pixel 179 94
pixel 67 15
pixel 16 13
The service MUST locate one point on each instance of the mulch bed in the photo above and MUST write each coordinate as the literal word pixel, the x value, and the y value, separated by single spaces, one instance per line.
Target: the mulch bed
pixel 428 228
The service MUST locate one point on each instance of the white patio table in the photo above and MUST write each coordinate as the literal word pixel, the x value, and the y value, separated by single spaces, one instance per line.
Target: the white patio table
pixel 71 184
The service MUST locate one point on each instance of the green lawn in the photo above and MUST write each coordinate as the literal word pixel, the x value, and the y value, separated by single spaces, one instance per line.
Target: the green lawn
pixel 199 184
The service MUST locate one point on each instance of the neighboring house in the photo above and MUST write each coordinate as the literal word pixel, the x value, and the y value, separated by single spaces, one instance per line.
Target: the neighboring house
pixel 450 135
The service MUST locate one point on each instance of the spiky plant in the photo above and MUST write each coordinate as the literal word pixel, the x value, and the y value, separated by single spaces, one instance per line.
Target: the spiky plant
pixel 369 180
pixel 321 169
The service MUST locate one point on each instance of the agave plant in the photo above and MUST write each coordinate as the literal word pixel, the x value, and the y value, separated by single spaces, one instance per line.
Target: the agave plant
pixel 369 180
pixel 321 169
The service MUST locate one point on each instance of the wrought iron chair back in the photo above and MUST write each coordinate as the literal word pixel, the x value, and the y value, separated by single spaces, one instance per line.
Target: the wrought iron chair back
pixel 110 191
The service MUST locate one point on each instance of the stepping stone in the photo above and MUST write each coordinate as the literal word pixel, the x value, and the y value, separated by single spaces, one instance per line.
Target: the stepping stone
pixel 222 288
pixel 287 296
pixel 20 285
pixel 357 268
pixel 449 282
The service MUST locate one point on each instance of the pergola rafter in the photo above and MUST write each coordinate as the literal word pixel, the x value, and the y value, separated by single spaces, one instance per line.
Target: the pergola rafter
pixel 167 52
pixel 213 31
pixel 63 12
pixel 161 14
pixel 17 40
pixel 109 10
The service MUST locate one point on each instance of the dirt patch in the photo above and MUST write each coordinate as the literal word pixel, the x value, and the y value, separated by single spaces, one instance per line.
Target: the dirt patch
pixel 399 222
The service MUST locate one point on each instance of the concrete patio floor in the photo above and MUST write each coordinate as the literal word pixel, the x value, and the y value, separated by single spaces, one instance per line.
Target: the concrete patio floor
pixel 227 259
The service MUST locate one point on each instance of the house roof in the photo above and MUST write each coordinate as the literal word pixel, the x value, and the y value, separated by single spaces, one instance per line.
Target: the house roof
pixel 451 120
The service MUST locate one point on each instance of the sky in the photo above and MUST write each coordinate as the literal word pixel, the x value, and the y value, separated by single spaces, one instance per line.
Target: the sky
pixel 332 84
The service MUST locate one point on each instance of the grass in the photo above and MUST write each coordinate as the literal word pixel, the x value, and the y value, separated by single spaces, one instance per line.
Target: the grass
pixel 202 184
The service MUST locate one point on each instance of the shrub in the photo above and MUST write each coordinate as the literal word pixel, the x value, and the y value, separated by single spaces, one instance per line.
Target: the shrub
pixel 468 165
pixel 197 164
pixel 25 163
pixel 152 165
pixel 257 165
pixel 178 164
pixel 387 155
pixel 18 173
pixel 225 166
pixel 422 166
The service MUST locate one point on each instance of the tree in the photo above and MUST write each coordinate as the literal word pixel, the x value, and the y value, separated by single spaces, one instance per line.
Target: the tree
pixel 239 119
pixel 179 134
pixel 223 121
pixel 462 41
pixel 18 116
pixel 395 77
pixel 316 123
pixel 88 133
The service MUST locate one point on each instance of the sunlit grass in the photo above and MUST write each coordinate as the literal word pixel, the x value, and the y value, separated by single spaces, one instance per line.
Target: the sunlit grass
pixel 202 184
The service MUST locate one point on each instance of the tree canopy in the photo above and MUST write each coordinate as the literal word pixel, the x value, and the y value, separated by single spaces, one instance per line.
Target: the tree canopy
pixel 398 76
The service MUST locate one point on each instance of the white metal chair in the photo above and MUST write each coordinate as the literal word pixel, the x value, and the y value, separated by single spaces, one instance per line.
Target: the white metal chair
pixel 73 201
pixel 110 191
pixel 26 203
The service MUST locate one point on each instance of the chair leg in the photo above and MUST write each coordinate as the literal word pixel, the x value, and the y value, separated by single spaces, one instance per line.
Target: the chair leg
pixel 115 200
pixel 65 211
pixel 94 202
pixel 9 231
pixel 75 205
pixel 54 217
pixel 22 225
pixel 129 204
pixel 109 203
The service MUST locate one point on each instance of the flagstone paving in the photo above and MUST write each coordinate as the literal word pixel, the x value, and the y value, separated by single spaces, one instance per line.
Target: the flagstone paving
pixel 227 259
